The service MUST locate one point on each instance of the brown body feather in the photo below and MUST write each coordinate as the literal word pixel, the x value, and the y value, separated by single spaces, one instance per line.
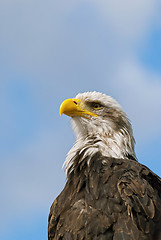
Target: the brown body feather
pixel 108 194
pixel 107 198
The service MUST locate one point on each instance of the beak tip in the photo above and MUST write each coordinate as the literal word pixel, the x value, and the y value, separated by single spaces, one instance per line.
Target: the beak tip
pixel 60 112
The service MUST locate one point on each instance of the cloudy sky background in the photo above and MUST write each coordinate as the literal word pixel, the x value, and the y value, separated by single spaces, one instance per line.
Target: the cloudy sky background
pixel 50 51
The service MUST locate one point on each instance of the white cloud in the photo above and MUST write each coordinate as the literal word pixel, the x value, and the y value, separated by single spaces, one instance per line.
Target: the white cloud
pixel 38 39
pixel 45 46
pixel 139 91
pixel 128 20
pixel 32 177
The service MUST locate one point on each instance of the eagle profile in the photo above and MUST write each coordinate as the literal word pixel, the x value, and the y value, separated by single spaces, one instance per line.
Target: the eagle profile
pixel 108 195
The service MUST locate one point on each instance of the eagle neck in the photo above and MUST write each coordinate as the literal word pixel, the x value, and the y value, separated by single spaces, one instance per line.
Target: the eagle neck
pixel 112 145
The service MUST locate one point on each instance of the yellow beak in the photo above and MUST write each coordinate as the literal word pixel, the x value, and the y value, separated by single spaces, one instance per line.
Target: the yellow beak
pixel 74 107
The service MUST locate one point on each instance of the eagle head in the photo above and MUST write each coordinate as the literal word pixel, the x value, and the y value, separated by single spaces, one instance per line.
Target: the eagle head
pixel 99 124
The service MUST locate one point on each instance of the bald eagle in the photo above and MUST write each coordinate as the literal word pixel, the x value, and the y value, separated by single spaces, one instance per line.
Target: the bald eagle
pixel 108 193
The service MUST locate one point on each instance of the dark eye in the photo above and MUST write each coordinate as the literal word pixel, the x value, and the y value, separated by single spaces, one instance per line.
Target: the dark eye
pixel 96 105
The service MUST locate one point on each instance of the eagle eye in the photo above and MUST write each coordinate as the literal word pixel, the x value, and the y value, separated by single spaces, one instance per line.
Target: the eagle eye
pixel 96 105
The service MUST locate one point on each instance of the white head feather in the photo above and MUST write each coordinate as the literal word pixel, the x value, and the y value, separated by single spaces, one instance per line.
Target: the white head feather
pixel 110 133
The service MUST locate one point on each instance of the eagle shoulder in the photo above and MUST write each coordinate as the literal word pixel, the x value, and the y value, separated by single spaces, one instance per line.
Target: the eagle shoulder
pixel 140 189
pixel 108 198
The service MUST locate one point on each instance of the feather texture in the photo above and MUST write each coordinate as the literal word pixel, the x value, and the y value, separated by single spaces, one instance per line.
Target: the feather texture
pixel 111 200
pixel 108 194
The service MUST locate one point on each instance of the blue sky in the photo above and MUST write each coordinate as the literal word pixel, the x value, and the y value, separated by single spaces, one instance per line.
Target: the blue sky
pixel 50 51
